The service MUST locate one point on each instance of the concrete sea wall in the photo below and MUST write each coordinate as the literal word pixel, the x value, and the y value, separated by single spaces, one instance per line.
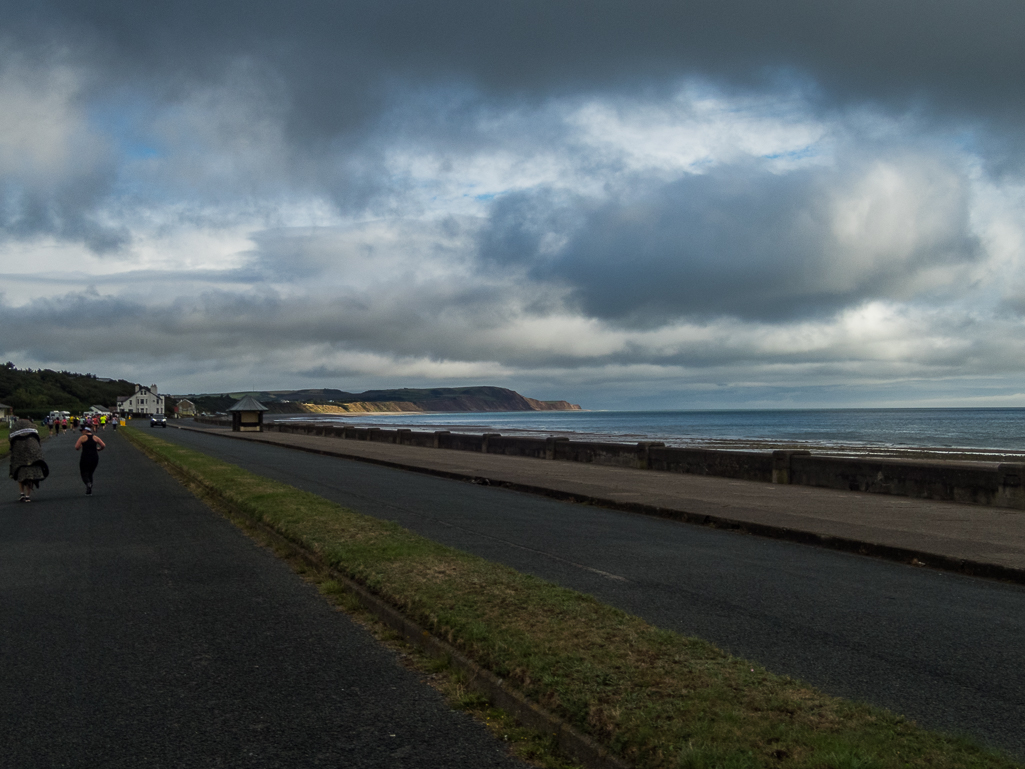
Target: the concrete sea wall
pixel 980 483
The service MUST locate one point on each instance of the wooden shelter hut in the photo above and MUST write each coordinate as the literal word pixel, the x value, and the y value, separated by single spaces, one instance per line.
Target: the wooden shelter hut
pixel 247 415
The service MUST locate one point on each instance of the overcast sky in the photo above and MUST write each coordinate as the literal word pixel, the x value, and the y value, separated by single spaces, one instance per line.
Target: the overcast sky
pixel 672 204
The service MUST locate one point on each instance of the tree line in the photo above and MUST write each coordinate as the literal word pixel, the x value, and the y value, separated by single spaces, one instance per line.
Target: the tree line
pixel 33 393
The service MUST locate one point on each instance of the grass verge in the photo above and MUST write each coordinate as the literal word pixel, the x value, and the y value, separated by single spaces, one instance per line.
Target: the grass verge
pixel 655 698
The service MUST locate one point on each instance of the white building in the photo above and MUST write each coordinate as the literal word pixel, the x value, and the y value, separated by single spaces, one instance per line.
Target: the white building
pixel 146 401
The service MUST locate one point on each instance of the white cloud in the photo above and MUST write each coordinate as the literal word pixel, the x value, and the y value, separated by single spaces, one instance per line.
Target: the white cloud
pixel 697 128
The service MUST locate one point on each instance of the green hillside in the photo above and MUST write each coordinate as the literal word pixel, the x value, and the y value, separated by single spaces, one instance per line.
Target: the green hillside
pixel 34 393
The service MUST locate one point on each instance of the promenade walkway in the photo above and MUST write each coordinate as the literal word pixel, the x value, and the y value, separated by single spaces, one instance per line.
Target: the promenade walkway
pixel 987 541
pixel 138 628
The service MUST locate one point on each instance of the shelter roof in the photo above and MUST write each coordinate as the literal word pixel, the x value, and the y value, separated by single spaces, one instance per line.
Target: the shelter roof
pixel 249 403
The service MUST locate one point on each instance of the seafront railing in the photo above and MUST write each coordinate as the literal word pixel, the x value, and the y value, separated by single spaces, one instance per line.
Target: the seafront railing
pixel 978 483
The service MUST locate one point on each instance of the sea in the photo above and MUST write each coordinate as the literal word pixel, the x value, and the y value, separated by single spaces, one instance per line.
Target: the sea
pixel 967 432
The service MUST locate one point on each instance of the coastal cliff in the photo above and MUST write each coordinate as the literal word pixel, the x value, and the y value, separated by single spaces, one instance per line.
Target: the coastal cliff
pixel 440 399
pixel 552 405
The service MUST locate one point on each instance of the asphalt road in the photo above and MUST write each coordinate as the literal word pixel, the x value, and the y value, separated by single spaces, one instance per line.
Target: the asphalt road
pixel 140 629
pixel 945 650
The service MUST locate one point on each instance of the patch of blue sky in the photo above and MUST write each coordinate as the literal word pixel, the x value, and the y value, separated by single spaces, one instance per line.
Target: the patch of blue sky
pixel 702 164
pixel 124 122
pixel 141 151
pixel 801 153
pixel 968 141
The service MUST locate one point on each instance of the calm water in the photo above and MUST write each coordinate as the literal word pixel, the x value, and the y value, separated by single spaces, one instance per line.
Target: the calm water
pixel 952 429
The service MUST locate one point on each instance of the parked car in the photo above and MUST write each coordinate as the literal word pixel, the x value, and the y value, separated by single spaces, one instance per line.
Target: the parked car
pixel 158 420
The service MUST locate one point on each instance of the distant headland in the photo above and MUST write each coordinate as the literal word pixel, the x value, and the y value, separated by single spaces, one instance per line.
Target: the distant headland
pixel 403 400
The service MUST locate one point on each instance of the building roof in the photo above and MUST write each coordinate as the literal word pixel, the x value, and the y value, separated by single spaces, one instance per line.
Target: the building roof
pixel 249 403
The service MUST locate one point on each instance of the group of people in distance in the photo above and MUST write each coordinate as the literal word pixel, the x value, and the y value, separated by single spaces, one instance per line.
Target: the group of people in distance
pixel 28 468
pixel 60 423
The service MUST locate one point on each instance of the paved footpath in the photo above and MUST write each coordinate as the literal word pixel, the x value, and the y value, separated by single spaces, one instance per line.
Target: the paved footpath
pixel 140 629
pixel 954 532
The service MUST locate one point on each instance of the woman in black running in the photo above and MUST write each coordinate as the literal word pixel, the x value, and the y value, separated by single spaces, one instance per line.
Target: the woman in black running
pixel 90 446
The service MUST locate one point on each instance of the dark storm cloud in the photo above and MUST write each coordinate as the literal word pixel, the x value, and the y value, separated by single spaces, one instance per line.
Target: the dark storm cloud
pixel 53 174
pixel 342 78
pixel 66 212
pixel 744 242
pixel 77 326
pixel 230 324
pixel 521 223
pixel 338 60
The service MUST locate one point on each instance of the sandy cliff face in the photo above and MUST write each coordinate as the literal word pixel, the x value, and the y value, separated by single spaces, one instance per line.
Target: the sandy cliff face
pixel 357 408
pixel 552 405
